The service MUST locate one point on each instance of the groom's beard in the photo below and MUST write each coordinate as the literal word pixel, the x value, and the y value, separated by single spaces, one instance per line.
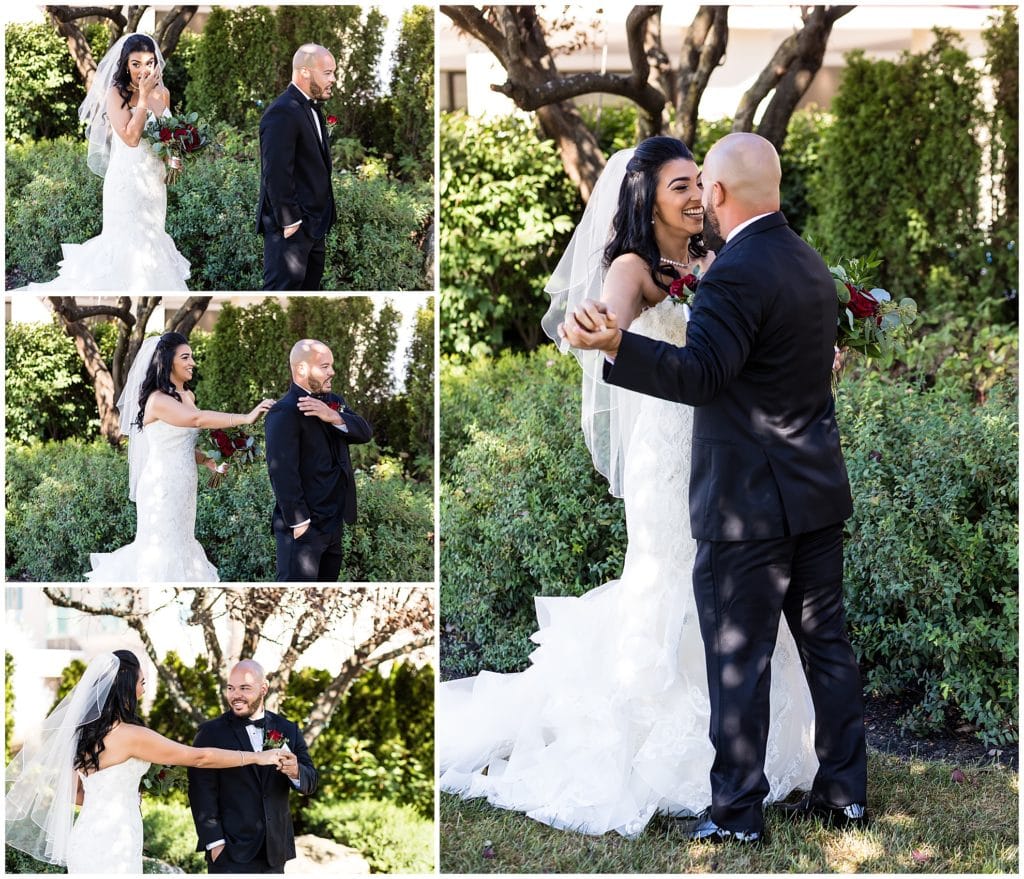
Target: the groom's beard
pixel 711 219
pixel 242 707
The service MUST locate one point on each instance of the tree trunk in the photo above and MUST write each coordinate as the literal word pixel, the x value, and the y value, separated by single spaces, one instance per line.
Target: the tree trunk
pixel 702 52
pixel 790 72
pixel 108 381
pixel 65 19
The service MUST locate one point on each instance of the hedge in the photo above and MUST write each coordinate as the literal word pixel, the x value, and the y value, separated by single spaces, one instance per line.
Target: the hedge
pixel 80 491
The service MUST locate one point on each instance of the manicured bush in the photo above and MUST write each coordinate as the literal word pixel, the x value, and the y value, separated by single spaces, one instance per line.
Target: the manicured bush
pixel 522 511
pixel 507 211
pixel 169 835
pixel 52 197
pixel 43 89
pixel 904 137
pixel 931 559
pixel 931 553
pixel 211 215
pixel 48 392
pixel 18 862
pixel 393 839
pixel 8 705
pixel 80 491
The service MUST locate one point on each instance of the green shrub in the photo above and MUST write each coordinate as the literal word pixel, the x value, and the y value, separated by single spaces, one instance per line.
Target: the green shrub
pixel 49 394
pixel 393 839
pixel 169 834
pixel 376 244
pixel 58 200
pixel 904 138
pixel 43 89
pixel 522 510
pixel 81 491
pixel 18 862
pixel 931 553
pixel 507 211
pixel 931 562
pixel 8 705
pixel 76 490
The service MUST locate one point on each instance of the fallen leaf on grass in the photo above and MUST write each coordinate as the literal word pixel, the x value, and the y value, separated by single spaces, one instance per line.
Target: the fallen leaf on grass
pixel 920 856
pixel 957 777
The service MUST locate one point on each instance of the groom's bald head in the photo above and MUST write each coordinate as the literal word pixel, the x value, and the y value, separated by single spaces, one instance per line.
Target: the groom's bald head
pixel 312 365
pixel 741 177
pixel 307 55
pixel 313 71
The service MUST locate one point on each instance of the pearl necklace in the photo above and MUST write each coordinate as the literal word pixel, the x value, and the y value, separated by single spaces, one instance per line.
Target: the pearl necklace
pixel 675 262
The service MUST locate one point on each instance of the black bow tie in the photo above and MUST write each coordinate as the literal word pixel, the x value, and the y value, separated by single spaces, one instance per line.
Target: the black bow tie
pixel 259 724
pixel 321 397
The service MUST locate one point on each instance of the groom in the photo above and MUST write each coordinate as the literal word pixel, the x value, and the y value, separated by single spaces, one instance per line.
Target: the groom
pixel 768 487
pixel 241 815
pixel 296 207
pixel 308 433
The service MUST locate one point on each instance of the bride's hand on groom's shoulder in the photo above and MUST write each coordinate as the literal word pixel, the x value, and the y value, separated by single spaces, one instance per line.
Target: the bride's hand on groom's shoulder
pixel 259 410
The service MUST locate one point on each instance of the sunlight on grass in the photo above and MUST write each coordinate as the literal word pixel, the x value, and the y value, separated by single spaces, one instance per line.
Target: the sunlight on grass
pixel 923 822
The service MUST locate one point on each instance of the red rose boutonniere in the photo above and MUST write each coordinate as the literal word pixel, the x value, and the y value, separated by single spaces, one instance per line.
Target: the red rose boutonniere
pixel 274 739
pixel 335 405
pixel 331 122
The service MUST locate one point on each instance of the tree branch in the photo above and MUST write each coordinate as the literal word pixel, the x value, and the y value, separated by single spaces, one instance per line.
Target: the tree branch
pixel 184 320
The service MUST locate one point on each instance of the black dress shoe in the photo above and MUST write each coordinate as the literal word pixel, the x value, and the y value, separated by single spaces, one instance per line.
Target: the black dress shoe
pixel 703 829
pixel 854 815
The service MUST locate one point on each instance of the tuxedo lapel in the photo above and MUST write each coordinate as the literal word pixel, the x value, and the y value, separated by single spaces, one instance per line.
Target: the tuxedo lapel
pixel 245 743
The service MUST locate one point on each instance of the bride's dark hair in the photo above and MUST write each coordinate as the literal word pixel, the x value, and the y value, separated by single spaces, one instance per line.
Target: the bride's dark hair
pixel 158 375
pixel 122 79
pixel 120 707
pixel 633 231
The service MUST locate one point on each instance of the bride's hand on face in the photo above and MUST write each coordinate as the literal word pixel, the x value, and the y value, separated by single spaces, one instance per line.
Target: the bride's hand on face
pixel 259 410
pixel 149 80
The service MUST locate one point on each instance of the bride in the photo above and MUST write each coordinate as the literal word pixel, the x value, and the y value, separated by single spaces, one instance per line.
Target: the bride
pixel 609 724
pixel 93 752
pixel 133 252
pixel 161 420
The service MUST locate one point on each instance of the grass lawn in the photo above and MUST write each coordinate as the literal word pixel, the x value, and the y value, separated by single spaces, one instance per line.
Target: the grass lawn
pixel 924 821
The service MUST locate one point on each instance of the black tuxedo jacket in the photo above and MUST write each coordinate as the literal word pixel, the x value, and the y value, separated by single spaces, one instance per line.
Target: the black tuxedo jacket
pixel 295 169
pixel 757 367
pixel 249 804
pixel 309 463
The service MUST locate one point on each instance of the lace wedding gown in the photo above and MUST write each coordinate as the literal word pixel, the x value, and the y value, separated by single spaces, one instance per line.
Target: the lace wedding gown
pixel 133 252
pixel 165 548
pixel 609 724
pixel 107 836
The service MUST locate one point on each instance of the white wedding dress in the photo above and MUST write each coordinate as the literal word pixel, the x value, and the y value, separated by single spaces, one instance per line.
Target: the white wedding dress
pixel 609 724
pixel 107 835
pixel 133 253
pixel 165 548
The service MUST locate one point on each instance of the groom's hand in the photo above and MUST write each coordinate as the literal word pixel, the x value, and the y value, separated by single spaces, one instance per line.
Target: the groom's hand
pixel 319 409
pixel 591 326
pixel 215 852
pixel 289 765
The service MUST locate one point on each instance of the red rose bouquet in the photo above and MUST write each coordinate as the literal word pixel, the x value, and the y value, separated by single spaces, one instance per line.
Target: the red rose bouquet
pixel 175 139
pixel 682 290
pixel 869 320
pixel 220 445
pixel 160 780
